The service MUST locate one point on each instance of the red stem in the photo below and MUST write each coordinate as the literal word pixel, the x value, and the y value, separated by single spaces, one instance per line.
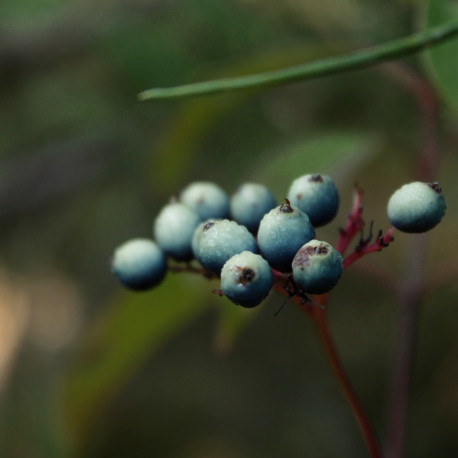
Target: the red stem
pixel 413 280
pixel 365 248
pixel 354 222
pixel 318 317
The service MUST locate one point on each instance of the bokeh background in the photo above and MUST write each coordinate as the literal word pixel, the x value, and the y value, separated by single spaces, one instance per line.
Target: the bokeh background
pixel 90 370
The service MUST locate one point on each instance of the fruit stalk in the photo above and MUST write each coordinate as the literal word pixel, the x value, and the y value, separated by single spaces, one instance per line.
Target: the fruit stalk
pixel 318 317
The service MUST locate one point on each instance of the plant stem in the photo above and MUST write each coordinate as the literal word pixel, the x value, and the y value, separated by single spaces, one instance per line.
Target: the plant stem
pixel 411 294
pixel 412 286
pixel 338 64
pixel 319 321
pixel 365 248
pixel 354 222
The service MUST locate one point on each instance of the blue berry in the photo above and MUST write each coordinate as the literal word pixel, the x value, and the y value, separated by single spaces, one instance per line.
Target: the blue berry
pixel 317 196
pixel 416 207
pixel 250 203
pixel 317 267
pixel 281 233
pixel 174 228
pixel 216 241
pixel 139 264
pixel 246 279
pixel 207 199
pixel 198 232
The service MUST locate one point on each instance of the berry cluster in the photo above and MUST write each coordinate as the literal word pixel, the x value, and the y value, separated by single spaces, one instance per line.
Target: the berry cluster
pixel 252 244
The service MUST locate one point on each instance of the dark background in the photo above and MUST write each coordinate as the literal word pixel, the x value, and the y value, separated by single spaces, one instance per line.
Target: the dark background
pixel 88 369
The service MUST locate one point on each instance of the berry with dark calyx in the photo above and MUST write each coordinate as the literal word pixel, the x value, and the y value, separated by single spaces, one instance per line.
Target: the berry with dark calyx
pixel 317 196
pixel 250 203
pixel 416 207
pixel 281 233
pixel 216 241
pixel 317 267
pixel 246 279
pixel 174 228
pixel 207 199
pixel 139 264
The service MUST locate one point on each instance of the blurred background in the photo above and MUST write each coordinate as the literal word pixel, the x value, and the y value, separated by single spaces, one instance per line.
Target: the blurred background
pixel 90 370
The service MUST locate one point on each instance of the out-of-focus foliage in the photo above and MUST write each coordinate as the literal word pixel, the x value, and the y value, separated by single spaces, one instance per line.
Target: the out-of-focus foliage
pixel 88 370
pixel 443 60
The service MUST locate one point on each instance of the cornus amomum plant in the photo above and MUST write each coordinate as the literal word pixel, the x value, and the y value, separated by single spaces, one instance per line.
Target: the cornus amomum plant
pixel 252 245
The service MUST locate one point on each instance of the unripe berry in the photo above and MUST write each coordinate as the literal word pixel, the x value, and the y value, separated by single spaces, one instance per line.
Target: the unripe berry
pixel 139 264
pixel 317 196
pixel 281 233
pixel 174 228
pixel 207 199
pixel 246 279
pixel 250 203
pixel 317 267
pixel 216 241
pixel 416 207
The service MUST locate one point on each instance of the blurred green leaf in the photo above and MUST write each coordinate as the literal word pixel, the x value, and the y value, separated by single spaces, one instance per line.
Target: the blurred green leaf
pixel 232 320
pixel 442 60
pixel 129 331
pixel 319 153
pixel 195 118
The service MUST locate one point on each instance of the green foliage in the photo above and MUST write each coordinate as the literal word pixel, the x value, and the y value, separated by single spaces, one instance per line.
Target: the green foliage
pixel 339 151
pixel 193 121
pixel 84 167
pixel 131 329
pixel 443 60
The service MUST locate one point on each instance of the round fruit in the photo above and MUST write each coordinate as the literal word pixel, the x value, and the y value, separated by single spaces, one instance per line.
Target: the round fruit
pixel 216 241
pixel 174 228
pixel 207 199
pixel 250 203
pixel 281 233
pixel 246 279
pixel 416 207
pixel 317 267
pixel 317 196
pixel 139 264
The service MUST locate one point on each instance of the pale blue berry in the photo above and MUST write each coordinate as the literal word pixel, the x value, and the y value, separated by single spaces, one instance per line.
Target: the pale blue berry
pixel 207 199
pixel 217 241
pixel 416 207
pixel 250 203
pixel 281 233
pixel 174 228
pixel 139 264
pixel 317 196
pixel 198 232
pixel 317 267
pixel 246 279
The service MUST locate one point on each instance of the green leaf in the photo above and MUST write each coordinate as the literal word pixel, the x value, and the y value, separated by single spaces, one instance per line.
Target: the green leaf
pixel 442 60
pixel 232 321
pixel 194 119
pixel 129 331
pixel 335 152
